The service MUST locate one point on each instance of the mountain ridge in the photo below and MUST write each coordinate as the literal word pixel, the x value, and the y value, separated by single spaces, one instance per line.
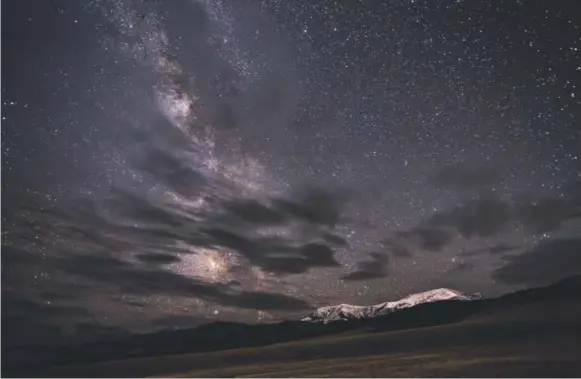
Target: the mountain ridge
pixel 225 336
pixel 344 312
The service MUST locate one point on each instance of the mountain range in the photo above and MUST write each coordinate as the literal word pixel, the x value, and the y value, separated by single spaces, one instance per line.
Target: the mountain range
pixel 418 311
pixel 344 312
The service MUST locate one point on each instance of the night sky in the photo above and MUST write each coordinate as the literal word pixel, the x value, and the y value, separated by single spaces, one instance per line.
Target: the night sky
pixel 171 163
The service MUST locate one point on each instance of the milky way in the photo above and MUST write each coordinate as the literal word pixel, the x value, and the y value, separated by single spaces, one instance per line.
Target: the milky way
pixel 166 164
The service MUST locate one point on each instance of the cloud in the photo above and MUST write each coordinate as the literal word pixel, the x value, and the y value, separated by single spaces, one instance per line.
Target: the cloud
pixel 482 217
pixel 397 249
pixel 267 301
pixel 314 205
pixel 465 178
pixel 255 212
pixel 158 258
pixel 15 255
pixel 13 305
pixel 171 170
pixel 161 232
pixel 275 254
pixel 127 278
pixel 376 267
pixel 486 216
pixel 31 320
pixel 543 215
pixel 306 256
pixel 572 191
pixel 301 222
pixel 546 263
pixel 462 266
pixel 430 239
pixel 26 330
pixel 499 249
pixel 86 244
pixel 334 239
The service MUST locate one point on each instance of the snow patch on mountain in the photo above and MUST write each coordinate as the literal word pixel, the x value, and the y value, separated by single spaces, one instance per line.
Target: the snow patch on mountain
pixel 343 312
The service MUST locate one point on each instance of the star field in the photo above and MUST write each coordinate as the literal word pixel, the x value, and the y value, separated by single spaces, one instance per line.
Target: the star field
pixel 166 164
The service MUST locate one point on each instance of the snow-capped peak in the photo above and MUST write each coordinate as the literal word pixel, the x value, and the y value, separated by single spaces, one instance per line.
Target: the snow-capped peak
pixel 344 312
pixel 433 295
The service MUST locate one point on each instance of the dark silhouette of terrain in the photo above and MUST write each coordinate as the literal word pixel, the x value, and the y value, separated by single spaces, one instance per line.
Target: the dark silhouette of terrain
pixel 533 332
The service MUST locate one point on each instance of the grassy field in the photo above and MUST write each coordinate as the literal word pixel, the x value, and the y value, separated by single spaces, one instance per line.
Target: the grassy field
pixel 450 363
pixel 537 340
